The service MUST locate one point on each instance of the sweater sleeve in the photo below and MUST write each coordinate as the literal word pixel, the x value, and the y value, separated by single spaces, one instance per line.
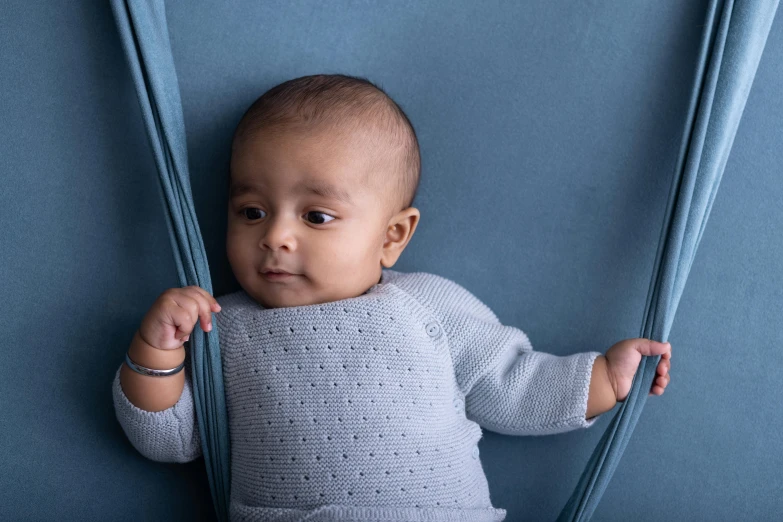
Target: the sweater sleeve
pixel 170 435
pixel 509 388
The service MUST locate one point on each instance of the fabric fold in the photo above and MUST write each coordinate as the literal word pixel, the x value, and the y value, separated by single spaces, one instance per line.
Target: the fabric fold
pixel 735 34
pixel 144 35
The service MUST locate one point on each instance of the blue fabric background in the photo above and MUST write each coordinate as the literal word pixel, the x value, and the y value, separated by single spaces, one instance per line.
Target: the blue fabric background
pixel 549 134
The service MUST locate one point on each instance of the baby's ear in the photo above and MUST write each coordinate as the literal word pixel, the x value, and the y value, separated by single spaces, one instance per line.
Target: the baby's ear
pixel 398 233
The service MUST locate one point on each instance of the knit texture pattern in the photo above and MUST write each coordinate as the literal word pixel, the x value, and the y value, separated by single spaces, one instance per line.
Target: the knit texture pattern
pixel 369 408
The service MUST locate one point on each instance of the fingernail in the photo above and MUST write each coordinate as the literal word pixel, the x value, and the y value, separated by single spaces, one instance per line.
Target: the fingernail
pixel 209 326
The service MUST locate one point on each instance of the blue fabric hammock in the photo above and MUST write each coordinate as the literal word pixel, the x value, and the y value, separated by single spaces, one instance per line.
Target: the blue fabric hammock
pixel 735 34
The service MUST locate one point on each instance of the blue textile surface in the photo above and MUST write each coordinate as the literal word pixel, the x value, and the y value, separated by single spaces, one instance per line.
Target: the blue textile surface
pixel 145 37
pixel 734 38
pixel 719 97
pixel 550 132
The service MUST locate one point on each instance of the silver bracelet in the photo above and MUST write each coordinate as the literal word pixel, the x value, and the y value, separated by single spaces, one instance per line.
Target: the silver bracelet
pixel 150 371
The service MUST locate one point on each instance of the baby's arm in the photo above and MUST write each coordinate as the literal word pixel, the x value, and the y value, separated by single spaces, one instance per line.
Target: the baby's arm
pixel 528 392
pixel 602 396
pixel 169 435
pixel 509 388
pixel 157 413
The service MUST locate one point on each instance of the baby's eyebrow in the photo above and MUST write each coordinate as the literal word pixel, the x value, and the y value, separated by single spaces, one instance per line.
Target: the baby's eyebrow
pixel 326 190
pixel 319 188
pixel 237 189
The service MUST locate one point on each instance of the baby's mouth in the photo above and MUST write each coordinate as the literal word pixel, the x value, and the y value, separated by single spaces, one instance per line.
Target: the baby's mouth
pixel 271 275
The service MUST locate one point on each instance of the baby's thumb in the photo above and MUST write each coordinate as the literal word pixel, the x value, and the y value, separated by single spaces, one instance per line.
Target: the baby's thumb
pixel 651 348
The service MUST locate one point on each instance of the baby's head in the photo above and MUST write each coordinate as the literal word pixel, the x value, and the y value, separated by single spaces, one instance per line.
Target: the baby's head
pixel 324 170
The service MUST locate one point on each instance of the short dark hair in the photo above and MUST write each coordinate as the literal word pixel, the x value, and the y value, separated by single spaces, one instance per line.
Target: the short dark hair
pixel 339 100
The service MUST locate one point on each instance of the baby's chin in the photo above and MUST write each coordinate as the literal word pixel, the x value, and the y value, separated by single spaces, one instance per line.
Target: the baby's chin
pixel 280 299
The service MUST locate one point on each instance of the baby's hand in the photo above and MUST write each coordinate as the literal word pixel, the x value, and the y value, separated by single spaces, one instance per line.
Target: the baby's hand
pixel 173 316
pixel 622 361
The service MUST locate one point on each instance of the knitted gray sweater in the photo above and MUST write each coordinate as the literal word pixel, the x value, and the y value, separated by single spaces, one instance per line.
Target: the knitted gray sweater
pixel 369 408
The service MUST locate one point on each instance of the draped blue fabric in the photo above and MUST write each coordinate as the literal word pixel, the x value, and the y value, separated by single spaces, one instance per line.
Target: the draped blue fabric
pixel 734 37
pixel 735 34
pixel 145 39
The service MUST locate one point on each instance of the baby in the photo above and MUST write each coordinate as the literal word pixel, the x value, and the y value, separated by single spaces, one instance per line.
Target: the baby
pixel 354 392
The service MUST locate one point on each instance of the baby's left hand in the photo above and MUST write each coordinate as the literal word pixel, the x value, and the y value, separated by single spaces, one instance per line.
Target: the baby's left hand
pixel 622 361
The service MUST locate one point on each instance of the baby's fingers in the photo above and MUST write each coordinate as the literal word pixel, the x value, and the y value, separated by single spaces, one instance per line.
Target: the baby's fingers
pixel 665 363
pixel 204 306
pixel 197 309
pixel 659 384
pixel 183 319
pixel 213 304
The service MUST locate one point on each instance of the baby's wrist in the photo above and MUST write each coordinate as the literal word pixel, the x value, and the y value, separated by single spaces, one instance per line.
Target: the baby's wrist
pixel 602 396
pixel 610 384
pixel 151 357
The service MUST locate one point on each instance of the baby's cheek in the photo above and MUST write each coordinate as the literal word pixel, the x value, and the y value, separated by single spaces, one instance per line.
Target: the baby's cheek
pixel 327 255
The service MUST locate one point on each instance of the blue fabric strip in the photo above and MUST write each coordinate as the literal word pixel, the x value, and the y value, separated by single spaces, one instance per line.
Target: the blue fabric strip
pixel 735 34
pixel 144 33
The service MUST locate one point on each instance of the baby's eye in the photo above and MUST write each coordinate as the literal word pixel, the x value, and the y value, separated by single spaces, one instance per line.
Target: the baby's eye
pixel 319 221
pixel 245 213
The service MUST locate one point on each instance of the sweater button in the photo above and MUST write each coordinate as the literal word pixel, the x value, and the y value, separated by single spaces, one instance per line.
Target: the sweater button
pixel 457 404
pixel 433 330
pixel 475 452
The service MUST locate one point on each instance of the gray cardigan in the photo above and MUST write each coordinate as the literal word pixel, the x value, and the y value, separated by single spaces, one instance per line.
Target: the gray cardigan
pixel 369 408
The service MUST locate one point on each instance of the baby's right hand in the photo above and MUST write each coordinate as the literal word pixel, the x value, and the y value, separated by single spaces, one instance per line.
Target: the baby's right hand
pixel 173 316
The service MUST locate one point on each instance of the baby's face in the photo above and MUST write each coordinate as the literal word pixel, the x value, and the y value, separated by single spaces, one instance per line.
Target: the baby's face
pixel 299 202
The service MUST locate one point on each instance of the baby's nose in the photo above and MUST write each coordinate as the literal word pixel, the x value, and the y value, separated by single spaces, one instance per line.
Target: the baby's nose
pixel 279 234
